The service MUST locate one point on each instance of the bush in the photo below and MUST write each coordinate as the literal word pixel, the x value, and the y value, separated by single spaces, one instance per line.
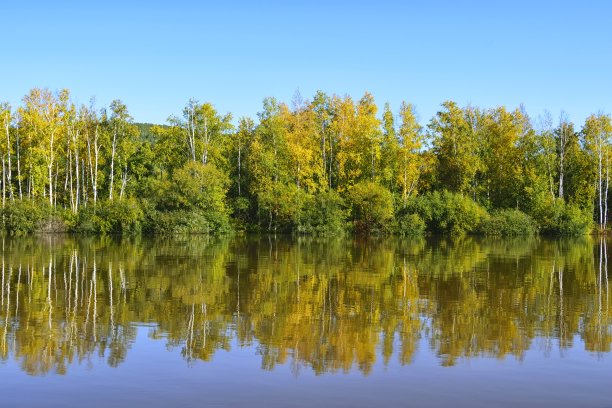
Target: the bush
pixel 324 215
pixel 573 221
pixel 448 212
pixel 556 217
pixel 122 216
pixel 280 207
pixel 181 222
pixel 371 207
pixel 410 225
pixel 27 216
pixel 508 222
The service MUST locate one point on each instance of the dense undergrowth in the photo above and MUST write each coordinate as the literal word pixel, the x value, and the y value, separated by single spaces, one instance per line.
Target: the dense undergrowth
pixel 368 209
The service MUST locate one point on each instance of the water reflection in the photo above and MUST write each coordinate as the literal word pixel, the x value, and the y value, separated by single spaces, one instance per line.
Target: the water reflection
pixel 329 305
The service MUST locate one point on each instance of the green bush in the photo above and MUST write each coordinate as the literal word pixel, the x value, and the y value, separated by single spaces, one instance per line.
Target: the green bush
pixel 556 217
pixel 509 222
pixel 122 216
pixel 180 222
pixel 371 207
pixel 324 215
pixel 280 207
pixel 448 212
pixel 410 225
pixel 25 216
pixel 573 221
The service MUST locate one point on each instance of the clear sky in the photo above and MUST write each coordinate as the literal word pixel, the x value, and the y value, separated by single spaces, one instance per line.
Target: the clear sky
pixel 554 55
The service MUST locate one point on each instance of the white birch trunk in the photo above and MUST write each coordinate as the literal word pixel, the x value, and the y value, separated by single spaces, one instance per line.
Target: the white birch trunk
pixel 112 169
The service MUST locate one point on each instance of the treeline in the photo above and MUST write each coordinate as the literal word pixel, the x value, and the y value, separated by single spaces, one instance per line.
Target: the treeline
pixel 320 166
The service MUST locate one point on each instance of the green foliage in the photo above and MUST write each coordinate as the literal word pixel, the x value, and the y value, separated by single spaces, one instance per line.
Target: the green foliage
pixel 281 206
pixel 410 225
pixel 325 215
pixel 456 147
pixel 573 221
pixel 371 207
pixel 559 218
pixel 508 222
pixel 25 216
pixel 110 217
pixel 183 222
pixel 193 202
pixel 448 212
pixel 305 167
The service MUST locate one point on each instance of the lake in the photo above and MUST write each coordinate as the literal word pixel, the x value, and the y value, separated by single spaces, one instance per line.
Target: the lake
pixel 299 322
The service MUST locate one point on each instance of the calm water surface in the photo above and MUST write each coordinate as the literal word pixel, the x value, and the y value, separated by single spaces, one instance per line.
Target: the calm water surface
pixel 281 322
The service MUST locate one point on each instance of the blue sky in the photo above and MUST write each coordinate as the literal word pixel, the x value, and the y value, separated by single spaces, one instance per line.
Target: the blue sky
pixel 154 56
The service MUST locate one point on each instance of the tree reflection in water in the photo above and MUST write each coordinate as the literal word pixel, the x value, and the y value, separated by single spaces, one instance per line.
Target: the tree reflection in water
pixel 332 305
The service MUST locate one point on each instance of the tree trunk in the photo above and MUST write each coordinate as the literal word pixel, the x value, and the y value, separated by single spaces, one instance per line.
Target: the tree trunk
pixel 124 179
pixel 84 181
pixel 50 168
pixel 76 171
pixel 69 176
pixel 605 217
pixel 8 154
pixel 405 187
pixel 93 168
pixel 599 168
pixel 206 142
pixel 3 188
pixel 50 176
pixel 239 166
pixel 112 169
pixel 18 163
pixel 561 180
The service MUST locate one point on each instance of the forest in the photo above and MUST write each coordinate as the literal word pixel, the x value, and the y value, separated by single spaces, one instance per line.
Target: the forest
pixel 322 166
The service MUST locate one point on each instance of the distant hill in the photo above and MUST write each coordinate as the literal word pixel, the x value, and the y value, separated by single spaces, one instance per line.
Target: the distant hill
pixel 145 130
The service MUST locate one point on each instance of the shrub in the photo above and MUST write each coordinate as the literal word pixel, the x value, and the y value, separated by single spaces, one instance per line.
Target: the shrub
pixel 26 216
pixel 324 215
pixel 122 216
pixel 180 222
pixel 555 216
pixel 371 207
pixel 508 222
pixel 448 212
pixel 410 225
pixel 573 221
pixel 280 207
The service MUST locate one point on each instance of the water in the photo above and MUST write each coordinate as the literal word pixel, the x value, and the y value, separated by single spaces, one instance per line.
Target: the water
pixel 271 322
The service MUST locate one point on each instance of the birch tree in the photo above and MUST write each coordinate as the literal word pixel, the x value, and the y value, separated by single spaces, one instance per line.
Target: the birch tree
pixel 563 133
pixel 597 133
pixel 411 142
pixel 6 120
pixel 119 121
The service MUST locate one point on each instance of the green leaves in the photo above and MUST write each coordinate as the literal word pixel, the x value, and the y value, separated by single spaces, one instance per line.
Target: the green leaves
pixel 297 167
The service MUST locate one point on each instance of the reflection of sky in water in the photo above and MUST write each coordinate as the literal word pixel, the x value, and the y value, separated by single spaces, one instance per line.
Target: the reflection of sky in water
pixel 154 377
pixel 463 296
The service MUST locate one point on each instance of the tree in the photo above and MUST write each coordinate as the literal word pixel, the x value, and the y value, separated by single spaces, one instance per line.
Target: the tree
pixel 372 207
pixel 43 121
pixel 563 135
pixel 124 137
pixel 411 142
pixel 597 133
pixel 390 148
pixel 456 148
pixel 204 129
pixel 322 110
pixel 501 134
pixel 6 119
